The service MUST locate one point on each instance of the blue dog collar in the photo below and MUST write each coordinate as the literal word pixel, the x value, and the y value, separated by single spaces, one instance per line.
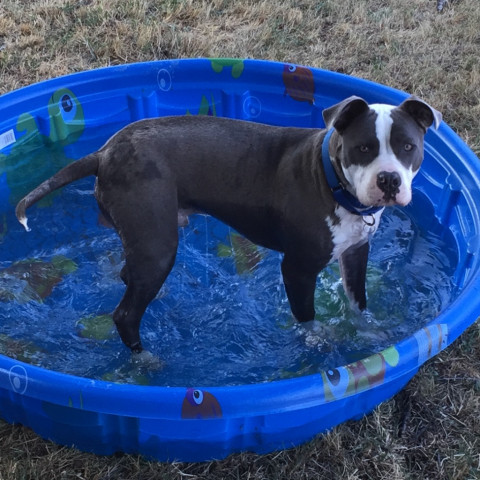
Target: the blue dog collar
pixel 342 196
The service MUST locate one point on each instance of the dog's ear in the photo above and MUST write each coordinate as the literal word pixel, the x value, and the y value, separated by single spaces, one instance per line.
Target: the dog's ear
pixel 340 115
pixel 421 112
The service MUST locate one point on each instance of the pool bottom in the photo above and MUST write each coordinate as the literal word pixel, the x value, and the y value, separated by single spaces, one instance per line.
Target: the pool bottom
pixel 222 317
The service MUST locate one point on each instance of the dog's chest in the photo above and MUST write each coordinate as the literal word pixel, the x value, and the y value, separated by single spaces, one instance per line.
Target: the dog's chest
pixel 348 229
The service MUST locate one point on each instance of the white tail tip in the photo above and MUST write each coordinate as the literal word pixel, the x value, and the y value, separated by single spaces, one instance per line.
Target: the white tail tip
pixel 24 222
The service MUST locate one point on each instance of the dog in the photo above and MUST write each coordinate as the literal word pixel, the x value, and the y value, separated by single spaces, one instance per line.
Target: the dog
pixel 316 195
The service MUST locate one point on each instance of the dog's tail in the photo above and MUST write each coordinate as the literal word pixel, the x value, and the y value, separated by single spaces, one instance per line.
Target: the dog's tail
pixel 74 171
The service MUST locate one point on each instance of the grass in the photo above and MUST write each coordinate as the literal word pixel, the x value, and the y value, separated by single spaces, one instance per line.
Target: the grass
pixel 430 430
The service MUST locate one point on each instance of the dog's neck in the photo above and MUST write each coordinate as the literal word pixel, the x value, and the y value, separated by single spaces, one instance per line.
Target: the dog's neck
pixel 338 183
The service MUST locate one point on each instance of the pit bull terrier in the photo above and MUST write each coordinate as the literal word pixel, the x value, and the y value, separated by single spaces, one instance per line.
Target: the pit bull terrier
pixel 316 195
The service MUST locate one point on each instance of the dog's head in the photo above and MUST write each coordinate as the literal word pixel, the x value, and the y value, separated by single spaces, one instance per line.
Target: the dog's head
pixel 380 147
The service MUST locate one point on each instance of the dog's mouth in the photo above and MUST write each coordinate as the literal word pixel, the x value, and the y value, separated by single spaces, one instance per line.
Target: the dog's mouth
pixel 390 201
pixel 381 199
pixel 390 198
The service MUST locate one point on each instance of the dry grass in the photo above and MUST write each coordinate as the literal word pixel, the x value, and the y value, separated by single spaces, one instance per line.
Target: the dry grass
pixel 431 430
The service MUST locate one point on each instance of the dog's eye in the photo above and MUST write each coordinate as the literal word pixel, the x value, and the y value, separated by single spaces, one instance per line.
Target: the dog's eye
pixel 292 68
pixel 364 149
pixel 408 147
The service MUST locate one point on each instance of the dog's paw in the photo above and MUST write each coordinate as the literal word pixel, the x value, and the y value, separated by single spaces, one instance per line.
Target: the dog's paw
pixel 368 327
pixel 315 333
pixel 147 360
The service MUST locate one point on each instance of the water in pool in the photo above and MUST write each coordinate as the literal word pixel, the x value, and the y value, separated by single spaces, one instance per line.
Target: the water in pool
pixel 222 317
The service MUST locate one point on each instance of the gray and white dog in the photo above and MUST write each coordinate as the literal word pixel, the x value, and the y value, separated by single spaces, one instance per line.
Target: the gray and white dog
pixel 316 195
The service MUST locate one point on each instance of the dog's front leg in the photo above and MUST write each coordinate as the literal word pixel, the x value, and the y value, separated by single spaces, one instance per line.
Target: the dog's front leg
pixel 300 281
pixel 353 269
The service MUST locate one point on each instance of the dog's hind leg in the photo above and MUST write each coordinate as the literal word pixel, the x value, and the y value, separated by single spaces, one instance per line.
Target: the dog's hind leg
pixel 141 290
pixel 149 233
pixel 146 268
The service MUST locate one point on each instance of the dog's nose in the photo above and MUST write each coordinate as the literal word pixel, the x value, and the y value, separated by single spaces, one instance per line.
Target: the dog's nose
pixel 389 182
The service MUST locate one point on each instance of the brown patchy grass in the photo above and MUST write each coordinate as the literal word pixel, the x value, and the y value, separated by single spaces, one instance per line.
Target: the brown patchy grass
pixel 431 430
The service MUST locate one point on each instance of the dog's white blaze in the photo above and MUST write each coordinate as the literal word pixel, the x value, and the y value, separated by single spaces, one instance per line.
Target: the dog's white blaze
pixel 364 179
pixel 350 229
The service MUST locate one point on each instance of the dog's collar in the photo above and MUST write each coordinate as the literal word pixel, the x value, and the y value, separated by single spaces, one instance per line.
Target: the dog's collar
pixel 340 194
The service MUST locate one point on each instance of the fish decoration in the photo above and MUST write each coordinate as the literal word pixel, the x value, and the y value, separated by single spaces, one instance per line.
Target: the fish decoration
pixel 299 83
pixel 33 279
pixel 200 404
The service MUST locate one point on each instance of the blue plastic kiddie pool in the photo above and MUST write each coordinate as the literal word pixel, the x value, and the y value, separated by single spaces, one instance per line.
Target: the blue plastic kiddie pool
pixel 197 422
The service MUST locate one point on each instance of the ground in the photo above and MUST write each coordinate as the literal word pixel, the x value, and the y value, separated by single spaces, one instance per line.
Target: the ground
pixel 430 430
